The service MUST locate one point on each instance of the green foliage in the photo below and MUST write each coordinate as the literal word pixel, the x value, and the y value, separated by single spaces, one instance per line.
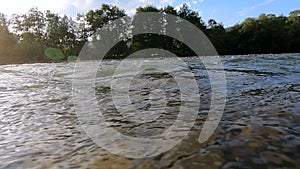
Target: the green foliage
pixel 60 32
pixel 266 34
pixel 99 17
pixel 72 58
pixel 294 30
pixel 54 54
pixel 149 40
pixel 31 36
pixel 33 22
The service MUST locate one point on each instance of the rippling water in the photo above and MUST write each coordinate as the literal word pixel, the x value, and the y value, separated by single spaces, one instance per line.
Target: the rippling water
pixel 260 127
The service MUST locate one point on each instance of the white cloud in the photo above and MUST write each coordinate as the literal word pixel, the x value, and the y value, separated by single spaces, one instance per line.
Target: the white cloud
pixel 167 1
pixel 72 7
pixel 57 6
pixel 198 1
pixel 199 12
pixel 248 10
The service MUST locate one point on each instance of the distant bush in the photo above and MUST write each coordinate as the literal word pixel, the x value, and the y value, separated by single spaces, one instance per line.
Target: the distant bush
pixel 54 54
pixel 72 58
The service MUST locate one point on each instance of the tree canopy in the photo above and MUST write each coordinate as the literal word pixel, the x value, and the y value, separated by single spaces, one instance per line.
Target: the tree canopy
pixel 26 37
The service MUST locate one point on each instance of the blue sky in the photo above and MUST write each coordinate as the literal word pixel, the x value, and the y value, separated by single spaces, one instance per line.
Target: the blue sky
pixel 229 12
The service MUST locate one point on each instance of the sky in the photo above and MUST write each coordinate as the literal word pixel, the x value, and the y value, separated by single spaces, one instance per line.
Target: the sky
pixel 229 12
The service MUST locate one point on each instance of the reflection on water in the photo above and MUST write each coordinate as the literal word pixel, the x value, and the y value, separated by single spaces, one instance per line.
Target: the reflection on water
pixel 260 127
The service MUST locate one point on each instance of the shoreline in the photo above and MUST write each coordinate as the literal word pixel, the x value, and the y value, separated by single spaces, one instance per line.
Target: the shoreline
pixel 226 56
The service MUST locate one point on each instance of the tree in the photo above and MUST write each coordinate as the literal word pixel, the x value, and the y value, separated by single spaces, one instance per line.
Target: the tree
pixel 217 34
pixel 169 10
pixel 25 37
pixel 194 18
pixel 266 34
pixel 149 40
pixel 30 29
pixel 60 32
pixel 160 41
pixel 33 22
pixel 98 18
pixel 3 23
pixel 191 16
pixel 294 30
pixel 7 41
pixel 233 40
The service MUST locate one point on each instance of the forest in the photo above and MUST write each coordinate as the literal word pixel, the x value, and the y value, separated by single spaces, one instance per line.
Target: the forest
pixel 35 35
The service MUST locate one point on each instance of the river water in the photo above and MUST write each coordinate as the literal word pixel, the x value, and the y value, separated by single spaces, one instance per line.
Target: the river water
pixel 260 127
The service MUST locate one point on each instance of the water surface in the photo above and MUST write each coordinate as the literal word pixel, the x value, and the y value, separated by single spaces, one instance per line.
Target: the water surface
pixel 260 127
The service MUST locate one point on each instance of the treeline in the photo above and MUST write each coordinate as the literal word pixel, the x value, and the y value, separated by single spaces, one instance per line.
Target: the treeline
pixel 25 38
